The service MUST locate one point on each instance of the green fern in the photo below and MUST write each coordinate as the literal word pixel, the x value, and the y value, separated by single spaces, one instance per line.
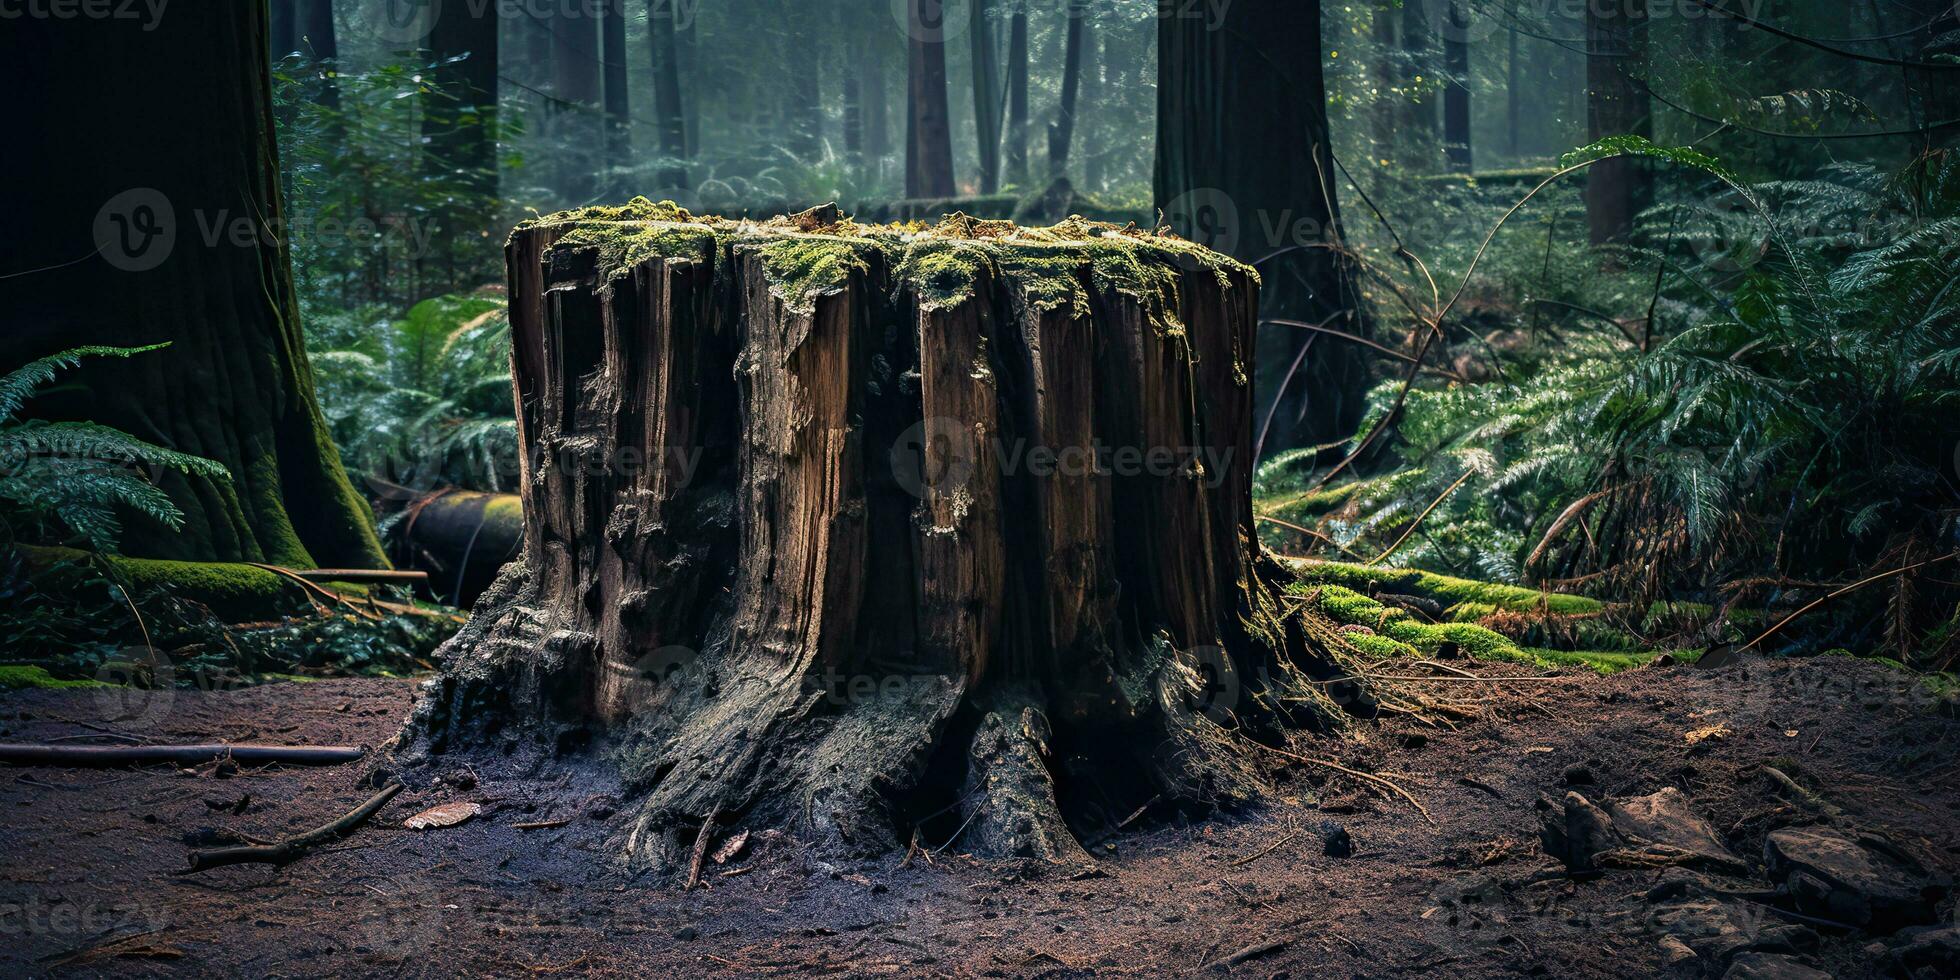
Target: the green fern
pixel 82 476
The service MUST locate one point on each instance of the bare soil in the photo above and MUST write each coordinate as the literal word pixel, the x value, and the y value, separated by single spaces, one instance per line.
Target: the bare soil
pixel 86 856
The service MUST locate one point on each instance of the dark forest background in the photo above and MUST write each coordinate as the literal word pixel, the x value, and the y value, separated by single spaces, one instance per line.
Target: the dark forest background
pixel 1651 300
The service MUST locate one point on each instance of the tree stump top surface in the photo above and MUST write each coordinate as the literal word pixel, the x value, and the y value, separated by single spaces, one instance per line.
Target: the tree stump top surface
pixel 814 253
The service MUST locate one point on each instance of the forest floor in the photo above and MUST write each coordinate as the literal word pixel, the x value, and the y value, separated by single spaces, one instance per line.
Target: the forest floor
pixel 86 857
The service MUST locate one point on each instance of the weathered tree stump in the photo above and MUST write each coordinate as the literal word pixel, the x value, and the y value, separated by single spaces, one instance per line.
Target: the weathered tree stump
pixel 856 531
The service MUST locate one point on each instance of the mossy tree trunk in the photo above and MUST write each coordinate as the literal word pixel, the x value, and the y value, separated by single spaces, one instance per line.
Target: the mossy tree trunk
pixel 160 220
pixel 970 533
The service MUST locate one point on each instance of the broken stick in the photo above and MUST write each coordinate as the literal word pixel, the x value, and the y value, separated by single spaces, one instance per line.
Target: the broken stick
pixel 292 848
pixel 27 754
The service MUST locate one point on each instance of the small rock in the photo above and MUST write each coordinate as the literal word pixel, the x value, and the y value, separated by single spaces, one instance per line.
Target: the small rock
pixel 1865 881
pixel 1771 966
pixel 1667 817
pixel 1675 953
pixel 1934 951
pixel 1335 841
pixel 1575 830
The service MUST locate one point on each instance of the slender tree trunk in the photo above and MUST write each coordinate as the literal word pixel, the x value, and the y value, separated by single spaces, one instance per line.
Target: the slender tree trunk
pixel 1244 165
pixel 319 39
pixel 283 31
pixel 854 117
pixel 1016 153
pixel 1417 75
pixel 874 87
pixel 664 39
pixel 1094 85
pixel 1456 98
pixel 826 603
pixel 987 94
pixel 929 136
pixel 536 31
pixel 688 39
pixel 1389 110
pixel 1616 105
pixel 1061 135
pixel 1511 93
pixel 575 62
pixel 804 108
pixel 459 137
pixel 619 123
pixel 188 247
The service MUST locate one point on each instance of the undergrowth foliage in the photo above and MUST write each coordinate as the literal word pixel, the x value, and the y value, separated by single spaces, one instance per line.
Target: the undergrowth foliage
pixel 77 480
pixel 1783 422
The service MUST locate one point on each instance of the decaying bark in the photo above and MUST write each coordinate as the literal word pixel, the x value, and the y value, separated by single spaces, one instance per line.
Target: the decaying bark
pixel 855 531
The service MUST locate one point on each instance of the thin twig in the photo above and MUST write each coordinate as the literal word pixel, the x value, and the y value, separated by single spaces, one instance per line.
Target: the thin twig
pixel 292 848
pixel 1356 773
pixel 1832 595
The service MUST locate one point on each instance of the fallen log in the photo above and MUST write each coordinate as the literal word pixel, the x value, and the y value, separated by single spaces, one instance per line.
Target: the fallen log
pixel 25 754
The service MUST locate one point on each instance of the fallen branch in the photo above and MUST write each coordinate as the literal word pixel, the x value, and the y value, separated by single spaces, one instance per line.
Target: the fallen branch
pixel 1253 951
pixel 362 576
pixel 1861 583
pixel 700 850
pixel 292 848
pixel 1801 794
pixel 1268 849
pixel 75 756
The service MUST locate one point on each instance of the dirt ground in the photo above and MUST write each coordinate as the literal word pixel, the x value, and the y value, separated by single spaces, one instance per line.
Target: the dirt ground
pixel 86 855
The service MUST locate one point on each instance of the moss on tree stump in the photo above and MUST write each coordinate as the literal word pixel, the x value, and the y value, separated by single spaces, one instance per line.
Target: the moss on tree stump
pixel 850 529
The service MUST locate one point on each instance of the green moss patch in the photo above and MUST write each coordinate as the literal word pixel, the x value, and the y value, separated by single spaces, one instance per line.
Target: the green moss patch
pixel 17 678
pixel 1397 633
pixel 1451 592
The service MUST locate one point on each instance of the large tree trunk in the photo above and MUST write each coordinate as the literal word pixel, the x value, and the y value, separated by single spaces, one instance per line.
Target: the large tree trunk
pixel 1456 96
pixel 319 39
pixel 1244 165
pixel 895 568
pixel 929 133
pixel 182 242
pixel 1616 105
